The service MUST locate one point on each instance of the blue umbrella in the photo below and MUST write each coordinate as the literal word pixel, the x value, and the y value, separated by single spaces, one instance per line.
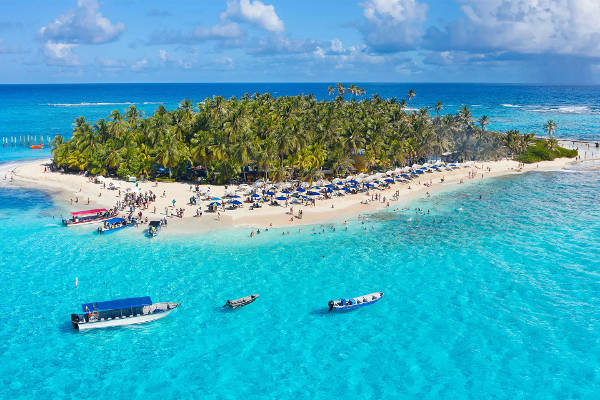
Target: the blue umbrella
pixel 235 196
pixel 269 193
pixel 368 184
pixel 340 183
pixel 312 193
pixel 389 180
pixel 255 195
pixel 420 172
pixel 376 181
pixel 317 188
pixel 215 203
pixel 286 191
pixel 345 189
pixel 405 176
pixel 330 186
pixel 215 199
pixel 280 198
pixel 353 181
pixel 301 190
pixel 236 202
pixel 413 173
pixel 328 190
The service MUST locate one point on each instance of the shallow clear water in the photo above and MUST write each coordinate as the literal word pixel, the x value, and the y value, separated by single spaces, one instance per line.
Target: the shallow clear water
pixel 495 297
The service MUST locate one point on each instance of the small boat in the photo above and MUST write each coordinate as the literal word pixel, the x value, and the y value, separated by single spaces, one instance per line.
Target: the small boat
pixel 244 301
pixel 136 310
pixel 87 217
pixel 355 302
pixel 154 228
pixel 114 224
pixel 36 146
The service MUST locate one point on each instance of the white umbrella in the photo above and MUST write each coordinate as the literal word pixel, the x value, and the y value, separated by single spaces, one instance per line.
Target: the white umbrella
pixel 100 179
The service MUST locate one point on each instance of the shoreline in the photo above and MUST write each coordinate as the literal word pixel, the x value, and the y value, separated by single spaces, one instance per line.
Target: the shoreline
pixel 72 192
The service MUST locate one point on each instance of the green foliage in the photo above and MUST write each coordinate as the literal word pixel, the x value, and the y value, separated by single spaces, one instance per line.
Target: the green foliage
pixel 544 150
pixel 275 138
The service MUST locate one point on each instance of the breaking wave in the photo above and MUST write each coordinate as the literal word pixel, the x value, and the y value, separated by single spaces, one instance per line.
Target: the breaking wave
pixel 86 104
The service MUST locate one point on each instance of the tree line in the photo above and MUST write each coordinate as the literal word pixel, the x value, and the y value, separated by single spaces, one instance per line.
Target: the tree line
pixel 279 138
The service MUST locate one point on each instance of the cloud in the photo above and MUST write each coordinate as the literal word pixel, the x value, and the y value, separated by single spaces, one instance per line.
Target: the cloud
pixel 254 12
pixel 522 26
pixel 228 31
pixel 110 64
pixel 393 25
pixel 60 53
pixel 274 45
pixel 83 25
pixel 140 64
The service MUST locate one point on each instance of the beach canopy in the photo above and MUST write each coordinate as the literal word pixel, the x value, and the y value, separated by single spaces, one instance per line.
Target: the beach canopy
pixel 270 193
pixel 236 202
pixel 255 195
pixel 215 203
pixel 301 190
pixel 353 181
pixel 420 171
pixel 330 186
pixel 280 198
pixel 345 189
pixel 312 193
pixel 234 196
pixel 389 180
pixel 117 304
pixel 369 185
pixel 405 176
pixel 89 212
pixel 286 191
pixel 114 220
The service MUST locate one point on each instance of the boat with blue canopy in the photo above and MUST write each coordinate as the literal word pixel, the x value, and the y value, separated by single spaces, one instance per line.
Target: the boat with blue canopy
pixel 135 310
pixel 115 224
pixel 154 228
pixel 355 302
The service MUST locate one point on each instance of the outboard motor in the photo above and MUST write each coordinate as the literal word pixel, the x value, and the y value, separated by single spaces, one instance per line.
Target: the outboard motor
pixel 331 305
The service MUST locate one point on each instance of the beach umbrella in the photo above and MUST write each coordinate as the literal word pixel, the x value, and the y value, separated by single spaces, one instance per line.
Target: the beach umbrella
pixel 280 198
pixel 270 193
pixel 420 172
pixel 369 185
pixel 312 193
pixel 389 180
pixel 301 190
pixel 405 176
pixel 255 195
pixel 353 181
pixel 236 202
pixel 413 173
pixel 215 203
pixel 345 189
pixel 328 190
pixel 317 188
pixel 215 199
pixel 235 196
pixel 330 186
pixel 286 191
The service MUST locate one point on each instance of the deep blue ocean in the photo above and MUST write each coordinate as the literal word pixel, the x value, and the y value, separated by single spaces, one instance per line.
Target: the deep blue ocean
pixel 491 297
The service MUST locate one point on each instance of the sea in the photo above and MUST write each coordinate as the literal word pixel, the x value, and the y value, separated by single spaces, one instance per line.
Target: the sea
pixel 492 288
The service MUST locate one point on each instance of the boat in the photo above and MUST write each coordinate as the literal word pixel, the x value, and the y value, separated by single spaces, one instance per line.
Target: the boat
pixel 135 310
pixel 355 302
pixel 87 217
pixel 114 224
pixel 244 301
pixel 154 228
pixel 36 146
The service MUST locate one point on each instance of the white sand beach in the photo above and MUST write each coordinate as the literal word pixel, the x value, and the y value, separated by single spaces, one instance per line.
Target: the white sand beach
pixel 75 192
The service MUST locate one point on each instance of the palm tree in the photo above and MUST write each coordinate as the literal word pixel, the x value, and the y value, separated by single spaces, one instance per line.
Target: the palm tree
pixel 550 127
pixel 411 94
pixel 483 122
pixel 438 108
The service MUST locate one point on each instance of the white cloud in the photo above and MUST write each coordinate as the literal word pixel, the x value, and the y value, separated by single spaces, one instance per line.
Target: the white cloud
pixel 83 25
pixel 568 27
pixel 254 12
pixel 60 53
pixel 140 64
pixel 393 25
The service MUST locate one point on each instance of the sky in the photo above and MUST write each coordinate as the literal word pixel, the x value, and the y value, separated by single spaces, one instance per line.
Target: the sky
pixel 516 41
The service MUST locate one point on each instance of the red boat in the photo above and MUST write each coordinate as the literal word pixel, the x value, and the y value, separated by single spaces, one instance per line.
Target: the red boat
pixel 36 146
pixel 87 217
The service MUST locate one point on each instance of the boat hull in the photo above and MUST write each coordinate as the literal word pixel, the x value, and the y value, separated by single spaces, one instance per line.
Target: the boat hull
pixel 359 302
pixel 93 221
pixel 141 319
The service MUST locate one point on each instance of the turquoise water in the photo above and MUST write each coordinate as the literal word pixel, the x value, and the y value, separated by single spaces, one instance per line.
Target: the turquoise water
pixel 495 297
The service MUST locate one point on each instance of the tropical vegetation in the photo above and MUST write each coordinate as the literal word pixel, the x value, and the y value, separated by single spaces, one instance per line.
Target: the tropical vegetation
pixel 278 138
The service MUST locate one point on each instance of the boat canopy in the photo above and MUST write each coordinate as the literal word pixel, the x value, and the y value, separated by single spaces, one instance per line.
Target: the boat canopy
pixel 155 223
pixel 117 304
pixel 115 220
pixel 89 212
